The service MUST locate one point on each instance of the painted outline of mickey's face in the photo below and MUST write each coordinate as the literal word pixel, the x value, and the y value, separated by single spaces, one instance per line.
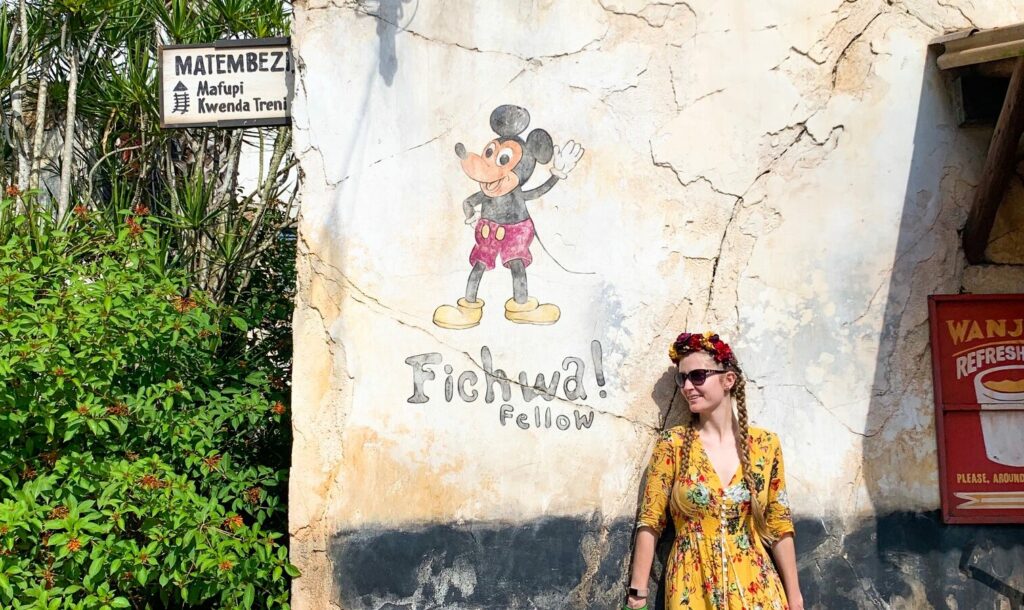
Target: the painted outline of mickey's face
pixel 493 169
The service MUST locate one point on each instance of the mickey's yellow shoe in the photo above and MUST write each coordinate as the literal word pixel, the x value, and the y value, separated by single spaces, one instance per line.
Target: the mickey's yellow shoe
pixel 464 314
pixel 531 312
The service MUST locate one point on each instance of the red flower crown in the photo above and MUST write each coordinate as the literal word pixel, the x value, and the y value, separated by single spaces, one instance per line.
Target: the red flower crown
pixel 709 342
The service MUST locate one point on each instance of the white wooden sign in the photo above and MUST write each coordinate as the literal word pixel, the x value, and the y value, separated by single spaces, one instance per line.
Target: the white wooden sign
pixel 229 83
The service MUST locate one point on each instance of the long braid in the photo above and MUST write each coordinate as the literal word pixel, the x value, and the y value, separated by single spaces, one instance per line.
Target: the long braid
pixel 684 468
pixel 739 392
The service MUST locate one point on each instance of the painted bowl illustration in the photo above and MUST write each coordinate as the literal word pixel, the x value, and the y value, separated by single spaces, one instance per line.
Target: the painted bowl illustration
pixel 1000 393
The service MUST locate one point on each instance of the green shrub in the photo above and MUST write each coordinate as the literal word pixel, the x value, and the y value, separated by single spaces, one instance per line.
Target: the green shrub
pixel 141 463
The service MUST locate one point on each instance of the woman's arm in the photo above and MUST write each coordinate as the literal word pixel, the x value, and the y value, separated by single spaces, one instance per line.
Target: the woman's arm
pixel 643 557
pixel 653 514
pixel 784 552
pixel 780 525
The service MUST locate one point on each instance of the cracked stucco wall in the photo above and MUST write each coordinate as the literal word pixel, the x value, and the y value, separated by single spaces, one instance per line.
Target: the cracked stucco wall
pixel 789 173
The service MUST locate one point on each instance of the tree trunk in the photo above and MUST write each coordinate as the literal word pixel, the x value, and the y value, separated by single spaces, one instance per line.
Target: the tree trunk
pixel 40 131
pixel 17 99
pixel 67 157
pixel 229 178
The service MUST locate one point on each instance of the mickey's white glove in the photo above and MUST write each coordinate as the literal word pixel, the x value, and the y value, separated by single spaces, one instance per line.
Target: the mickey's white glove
pixel 472 210
pixel 566 159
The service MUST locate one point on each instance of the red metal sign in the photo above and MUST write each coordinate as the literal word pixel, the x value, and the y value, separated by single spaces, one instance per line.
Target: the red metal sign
pixel 978 368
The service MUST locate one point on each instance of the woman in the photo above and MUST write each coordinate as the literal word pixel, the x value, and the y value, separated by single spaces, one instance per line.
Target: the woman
pixel 724 485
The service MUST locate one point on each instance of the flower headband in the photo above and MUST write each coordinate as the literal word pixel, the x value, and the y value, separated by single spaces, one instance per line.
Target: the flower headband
pixel 709 342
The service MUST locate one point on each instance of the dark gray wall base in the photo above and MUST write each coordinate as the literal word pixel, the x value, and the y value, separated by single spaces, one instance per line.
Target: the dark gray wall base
pixel 911 560
pixel 903 560
pixel 554 563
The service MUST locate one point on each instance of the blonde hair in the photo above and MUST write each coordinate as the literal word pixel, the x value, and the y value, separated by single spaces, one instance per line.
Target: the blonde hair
pixel 744 443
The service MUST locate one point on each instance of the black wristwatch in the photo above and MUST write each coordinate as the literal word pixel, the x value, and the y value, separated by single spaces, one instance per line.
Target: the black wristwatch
pixel 634 592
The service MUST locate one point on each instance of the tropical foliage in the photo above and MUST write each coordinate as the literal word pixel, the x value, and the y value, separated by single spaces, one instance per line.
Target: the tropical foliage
pixel 146 278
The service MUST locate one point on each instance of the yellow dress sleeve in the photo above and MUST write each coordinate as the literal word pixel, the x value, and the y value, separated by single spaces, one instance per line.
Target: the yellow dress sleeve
pixel 778 513
pixel 661 472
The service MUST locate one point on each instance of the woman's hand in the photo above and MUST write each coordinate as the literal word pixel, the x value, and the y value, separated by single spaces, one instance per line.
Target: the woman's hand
pixel 643 557
pixel 796 600
pixel 784 553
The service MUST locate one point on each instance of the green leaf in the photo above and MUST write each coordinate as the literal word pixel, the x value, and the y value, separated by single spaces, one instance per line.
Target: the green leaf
pixel 58 540
pixel 96 566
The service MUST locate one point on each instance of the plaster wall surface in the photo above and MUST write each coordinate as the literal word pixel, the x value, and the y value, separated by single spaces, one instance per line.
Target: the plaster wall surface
pixel 788 173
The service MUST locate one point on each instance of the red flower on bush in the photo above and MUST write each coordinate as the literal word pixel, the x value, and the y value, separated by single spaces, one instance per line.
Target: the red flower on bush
pixel 12 190
pixel 117 409
pixel 183 304
pixel 134 228
pixel 151 482
pixel 278 408
pixel 74 545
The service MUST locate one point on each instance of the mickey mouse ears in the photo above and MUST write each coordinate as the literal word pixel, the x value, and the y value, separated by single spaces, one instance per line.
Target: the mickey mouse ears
pixel 508 120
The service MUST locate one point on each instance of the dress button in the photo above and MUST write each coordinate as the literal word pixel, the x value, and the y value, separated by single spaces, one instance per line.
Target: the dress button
pixel 485 231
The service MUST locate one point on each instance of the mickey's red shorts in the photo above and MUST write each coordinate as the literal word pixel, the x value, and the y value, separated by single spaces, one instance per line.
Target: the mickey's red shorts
pixel 512 242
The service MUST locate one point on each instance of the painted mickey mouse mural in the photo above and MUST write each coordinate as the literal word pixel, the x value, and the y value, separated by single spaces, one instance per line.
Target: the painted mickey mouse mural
pixel 502 223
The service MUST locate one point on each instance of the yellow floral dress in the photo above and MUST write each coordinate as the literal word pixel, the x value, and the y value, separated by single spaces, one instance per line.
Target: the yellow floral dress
pixel 718 561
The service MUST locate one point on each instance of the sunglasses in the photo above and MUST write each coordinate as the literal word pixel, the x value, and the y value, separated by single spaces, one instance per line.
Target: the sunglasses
pixel 696 376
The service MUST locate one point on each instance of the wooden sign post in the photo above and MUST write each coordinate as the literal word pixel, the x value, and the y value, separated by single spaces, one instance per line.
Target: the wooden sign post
pixel 230 83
